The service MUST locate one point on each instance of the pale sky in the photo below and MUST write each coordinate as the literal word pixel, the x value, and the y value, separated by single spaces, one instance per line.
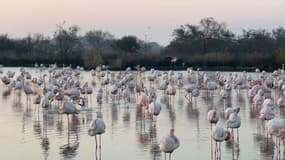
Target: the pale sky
pixel 156 18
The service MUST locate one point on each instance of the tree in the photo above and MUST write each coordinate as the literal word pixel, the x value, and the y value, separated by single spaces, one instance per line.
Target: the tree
pixel 279 36
pixel 6 43
pixel 92 58
pixel 128 44
pixel 97 38
pixel 67 42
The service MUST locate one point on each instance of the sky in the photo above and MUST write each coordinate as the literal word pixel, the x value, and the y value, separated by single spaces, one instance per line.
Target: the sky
pixel 155 18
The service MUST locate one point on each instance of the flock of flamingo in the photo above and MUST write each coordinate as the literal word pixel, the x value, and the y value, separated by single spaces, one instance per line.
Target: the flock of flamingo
pixel 60 89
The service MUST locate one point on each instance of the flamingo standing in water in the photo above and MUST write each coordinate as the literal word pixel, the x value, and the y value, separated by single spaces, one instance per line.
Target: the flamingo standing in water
pixel 219 134
pixel 258 99
pixel 37 101
pixel 99 96
pixel 213 116
pixel 267 111
pixel 189 89
pixel 281 104
pixel 143 102
pixel 28 91
pixel 169 143
pixel 154 109
pixel 97 128
pixel 234 122
pixel 171 91
pixel 68 108
pixel 276 127
pixel 212 86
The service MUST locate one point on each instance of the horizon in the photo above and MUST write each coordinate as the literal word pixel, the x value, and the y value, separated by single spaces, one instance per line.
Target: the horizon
pixel 138 18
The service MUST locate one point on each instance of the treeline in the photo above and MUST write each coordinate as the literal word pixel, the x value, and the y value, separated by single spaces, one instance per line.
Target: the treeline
pixel 210 44
pixel 67 47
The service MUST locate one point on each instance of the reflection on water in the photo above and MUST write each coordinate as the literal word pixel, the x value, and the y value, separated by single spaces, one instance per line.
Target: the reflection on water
pixel 130 132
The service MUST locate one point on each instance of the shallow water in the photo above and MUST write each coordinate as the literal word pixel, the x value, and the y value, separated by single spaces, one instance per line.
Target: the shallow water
pixel 28 134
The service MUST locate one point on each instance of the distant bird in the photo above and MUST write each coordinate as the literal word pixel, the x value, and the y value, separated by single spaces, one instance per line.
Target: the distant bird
pixel 281 105
pixel 212 86
pixel 143 100
pixel 5 80
pixel 169 143
pixel 267 110
pixel 99 96
pixel 171 91
pixel 45 102
pixel 37 100
pixel 231 110
pixel 28 91
pixel 88 90
pixel 154 109
pixel 213 116
pixel 258 99
pixel 189 89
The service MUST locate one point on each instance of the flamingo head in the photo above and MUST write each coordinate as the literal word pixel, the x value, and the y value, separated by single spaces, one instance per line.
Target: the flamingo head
pixel 172 131
pixel 228 135
pixel 237 110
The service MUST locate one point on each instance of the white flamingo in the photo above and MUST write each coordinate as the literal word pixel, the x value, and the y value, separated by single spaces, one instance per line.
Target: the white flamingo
pixel 97 128
pixel 169 143
pixel 219 134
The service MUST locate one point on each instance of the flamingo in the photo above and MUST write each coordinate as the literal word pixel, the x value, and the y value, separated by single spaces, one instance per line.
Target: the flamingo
pixel 154 108
pixel 99 96
pixel 97 128
pixel 189 89
pixel 224 94
pixel 68 108
pixel 267 111
pixel 5 80
pixel 276 128
pixel 258 99
pixel 88 90
pixel 212 86
pixel 37 100
pixel 281 104
pixel 234 122
pixel 28 91
pixel 152 94
pixel 171 91
pixel 231 110
pixel 143 102
pixel 219 134
pixel 213 116
pixel 169 143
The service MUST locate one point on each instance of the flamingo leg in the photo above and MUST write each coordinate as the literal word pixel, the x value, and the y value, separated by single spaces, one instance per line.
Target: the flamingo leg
pixel 68 133
pixel 95 137
pixel 100 148
pixel 220 154
pixel 100 143
pixel 237 136
pixel 211 142
pixel 216 149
